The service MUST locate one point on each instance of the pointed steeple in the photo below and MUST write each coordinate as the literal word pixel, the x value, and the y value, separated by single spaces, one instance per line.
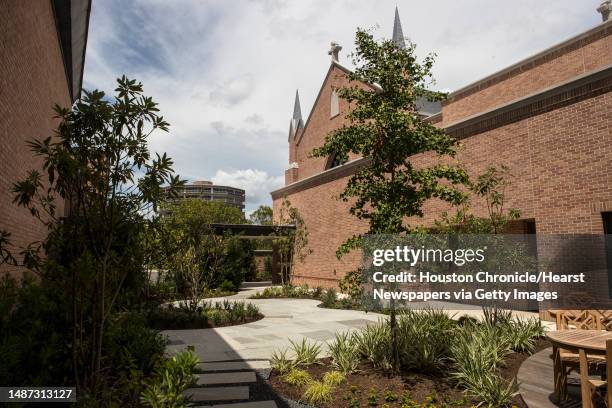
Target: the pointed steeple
pixel 296 120
pixel 297 111
pixel 398 35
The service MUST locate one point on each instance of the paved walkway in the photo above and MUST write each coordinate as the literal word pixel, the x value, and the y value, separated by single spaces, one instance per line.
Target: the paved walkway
pixel 285 319
pixel 535 378
pixel 231 355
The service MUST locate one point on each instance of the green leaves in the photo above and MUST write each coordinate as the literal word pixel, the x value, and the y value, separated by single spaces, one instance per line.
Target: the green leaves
pixel 386 127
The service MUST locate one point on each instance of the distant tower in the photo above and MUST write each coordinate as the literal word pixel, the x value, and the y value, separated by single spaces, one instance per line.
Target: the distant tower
pixel 296 120
pixel 398 35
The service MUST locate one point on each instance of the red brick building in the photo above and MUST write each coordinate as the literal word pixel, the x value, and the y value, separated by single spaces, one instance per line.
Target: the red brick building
pixel 42 53
pixel 548 118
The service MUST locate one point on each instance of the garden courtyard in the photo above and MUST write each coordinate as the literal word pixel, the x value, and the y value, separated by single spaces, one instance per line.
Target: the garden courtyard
pixel 235 361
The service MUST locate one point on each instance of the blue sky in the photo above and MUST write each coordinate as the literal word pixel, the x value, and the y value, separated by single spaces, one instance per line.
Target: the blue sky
pixel 225 71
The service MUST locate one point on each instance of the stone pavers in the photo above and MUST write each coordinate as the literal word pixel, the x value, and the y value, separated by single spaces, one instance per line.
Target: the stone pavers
pixel 234 365
pixel 252 404
pixel 285 319
pixel 226 378
pixel 206 394
pixel 535 382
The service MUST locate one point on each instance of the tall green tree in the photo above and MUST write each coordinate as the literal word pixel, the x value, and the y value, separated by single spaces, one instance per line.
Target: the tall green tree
pixel 98 163
pixel 198 258
pixel 385 127
pixel 262 215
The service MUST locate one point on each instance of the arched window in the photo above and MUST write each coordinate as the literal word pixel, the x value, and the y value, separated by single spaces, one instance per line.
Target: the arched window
pixel 335 160
pixel 334 103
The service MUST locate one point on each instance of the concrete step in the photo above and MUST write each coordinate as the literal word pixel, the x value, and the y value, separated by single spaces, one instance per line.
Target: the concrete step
pixel 217 393
pixel 252 404
pixel 250 285
pixel 226 378
pixel 234 365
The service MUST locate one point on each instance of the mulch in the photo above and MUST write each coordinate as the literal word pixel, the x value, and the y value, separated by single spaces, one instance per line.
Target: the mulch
pixel 360 386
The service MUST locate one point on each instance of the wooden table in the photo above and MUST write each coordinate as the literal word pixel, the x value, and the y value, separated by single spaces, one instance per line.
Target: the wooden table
pixel 582 342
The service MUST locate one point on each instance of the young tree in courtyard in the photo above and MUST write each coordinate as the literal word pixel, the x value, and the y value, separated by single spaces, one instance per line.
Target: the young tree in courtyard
pixel 384 126
pixel 99 165
pixel 292 244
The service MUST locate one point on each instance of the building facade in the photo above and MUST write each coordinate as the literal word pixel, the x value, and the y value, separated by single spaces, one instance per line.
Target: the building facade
pixel 547 117
pixel 42 54
pixel 207 191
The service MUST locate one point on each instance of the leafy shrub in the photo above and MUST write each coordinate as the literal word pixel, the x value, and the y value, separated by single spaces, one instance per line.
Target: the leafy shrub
pixel 279 361
pixel 305 353
pixel 344 354
pixel 352 284
pixel 318 393
pixel 522 334
pixel 477 351
pixel 423 339
pixel 329 298
pixel 129 334
pixel 172 379
pixel 373 342
pixel 334 378
pixel 252 311
pixel 227 286
pixel 297 377
pixel 217 314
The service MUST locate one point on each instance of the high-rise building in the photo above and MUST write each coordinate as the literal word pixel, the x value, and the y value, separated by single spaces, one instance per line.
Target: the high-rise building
pixel 207 191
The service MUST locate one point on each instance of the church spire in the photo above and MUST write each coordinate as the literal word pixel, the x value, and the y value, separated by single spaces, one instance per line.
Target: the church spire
pixel 398 35
pixel 297 111
pixel 296 120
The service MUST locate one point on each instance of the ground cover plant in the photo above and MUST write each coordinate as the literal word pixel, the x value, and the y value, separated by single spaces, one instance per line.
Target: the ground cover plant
pixel 443 363
pixel 207 314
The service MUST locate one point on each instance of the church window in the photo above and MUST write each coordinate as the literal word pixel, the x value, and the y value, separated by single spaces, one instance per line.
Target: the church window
pixel 335 103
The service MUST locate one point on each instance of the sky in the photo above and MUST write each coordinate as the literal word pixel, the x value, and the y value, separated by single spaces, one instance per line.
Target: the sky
pixel 224 72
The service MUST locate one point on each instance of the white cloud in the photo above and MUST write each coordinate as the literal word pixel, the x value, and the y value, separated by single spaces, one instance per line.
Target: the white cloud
pixel 256 183
pixel 233 91
pixel 225 72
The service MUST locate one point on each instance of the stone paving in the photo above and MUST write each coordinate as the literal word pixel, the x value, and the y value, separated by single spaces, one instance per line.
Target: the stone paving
pixel 230 356
pixel 285 320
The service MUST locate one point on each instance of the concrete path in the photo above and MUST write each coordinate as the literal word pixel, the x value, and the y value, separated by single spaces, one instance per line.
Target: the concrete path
pixel 285 320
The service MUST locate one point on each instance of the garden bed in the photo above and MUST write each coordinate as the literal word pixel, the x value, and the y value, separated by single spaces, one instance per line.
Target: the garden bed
pixel 441 362
pixel 209 315
pixel 375 387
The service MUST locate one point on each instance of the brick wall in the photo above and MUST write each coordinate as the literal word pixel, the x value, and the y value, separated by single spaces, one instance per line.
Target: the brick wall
pixel 32 80
pixel 580 55
pixel 561 161
pixel 319 124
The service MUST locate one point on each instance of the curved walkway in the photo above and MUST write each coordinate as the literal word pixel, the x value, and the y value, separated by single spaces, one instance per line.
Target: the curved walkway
pixel 535 378
pixel 284 320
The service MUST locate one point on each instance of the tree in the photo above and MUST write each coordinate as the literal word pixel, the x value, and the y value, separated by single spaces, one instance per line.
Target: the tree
pixel 489 186
pixel 262 215
pixel 99 164
pixel 384 126
pixel 292 243
pixel 198 256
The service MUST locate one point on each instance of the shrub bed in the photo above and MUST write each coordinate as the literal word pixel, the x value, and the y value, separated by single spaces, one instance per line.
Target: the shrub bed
pixel 217 314
pixel 443 363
